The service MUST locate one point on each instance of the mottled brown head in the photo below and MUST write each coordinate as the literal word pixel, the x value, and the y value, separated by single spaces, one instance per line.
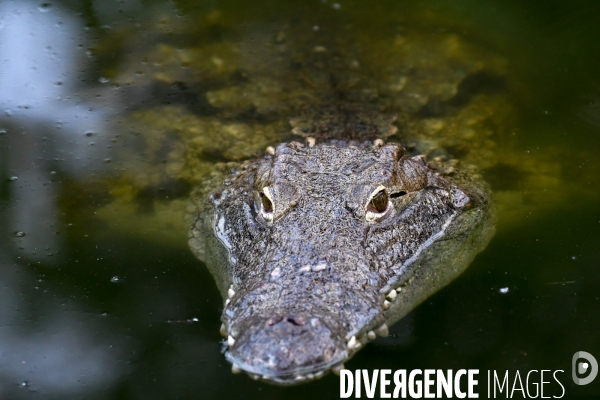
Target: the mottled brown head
pixel 316 247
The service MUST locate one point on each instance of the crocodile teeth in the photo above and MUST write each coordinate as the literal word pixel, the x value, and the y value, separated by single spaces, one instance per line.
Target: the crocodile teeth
pixel 386 304
pixel 352 343
pixel 227 302
pixel 311 141
pixel 382 330
pixel 230 340
pixel 337 368
pixel 378 143
pixel 392 295
pixel 223 330
pixel 235 369
pixel 230 293
pixel 270 150
pixel 371 335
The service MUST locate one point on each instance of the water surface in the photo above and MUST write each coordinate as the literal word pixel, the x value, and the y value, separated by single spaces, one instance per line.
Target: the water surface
pixel 110 116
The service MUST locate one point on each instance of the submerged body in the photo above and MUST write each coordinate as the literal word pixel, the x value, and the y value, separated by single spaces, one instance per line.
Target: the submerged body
pixel 317 246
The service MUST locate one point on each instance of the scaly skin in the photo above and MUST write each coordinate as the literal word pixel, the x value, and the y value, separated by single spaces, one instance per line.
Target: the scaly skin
pixel 310 274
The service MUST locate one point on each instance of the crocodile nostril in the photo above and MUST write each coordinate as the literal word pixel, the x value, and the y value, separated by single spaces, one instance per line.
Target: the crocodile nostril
pixel 292 319
pixel 297 321
pixel 274 320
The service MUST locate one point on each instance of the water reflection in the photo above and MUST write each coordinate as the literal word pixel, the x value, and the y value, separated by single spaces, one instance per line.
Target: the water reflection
pixel 48 344
pixel 49 124
pixel 69 328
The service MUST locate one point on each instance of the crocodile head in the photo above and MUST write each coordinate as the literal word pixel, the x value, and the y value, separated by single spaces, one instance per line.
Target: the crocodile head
pixel 318 248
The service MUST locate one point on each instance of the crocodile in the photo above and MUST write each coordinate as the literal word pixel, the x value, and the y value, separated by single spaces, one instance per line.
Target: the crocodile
pixel 332 236
pixel 321 245
pixel 354 214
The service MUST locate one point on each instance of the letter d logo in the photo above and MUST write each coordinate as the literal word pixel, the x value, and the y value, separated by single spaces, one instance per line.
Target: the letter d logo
pixel 583 367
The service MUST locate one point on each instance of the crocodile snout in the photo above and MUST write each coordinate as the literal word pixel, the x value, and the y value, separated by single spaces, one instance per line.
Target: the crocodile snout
pixel 287 348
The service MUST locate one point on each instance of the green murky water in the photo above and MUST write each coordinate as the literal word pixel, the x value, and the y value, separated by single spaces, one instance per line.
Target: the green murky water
pixel 112 111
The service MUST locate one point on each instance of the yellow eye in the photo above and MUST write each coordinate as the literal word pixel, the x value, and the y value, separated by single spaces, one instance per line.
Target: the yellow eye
pixel 379 202
pixel 266 203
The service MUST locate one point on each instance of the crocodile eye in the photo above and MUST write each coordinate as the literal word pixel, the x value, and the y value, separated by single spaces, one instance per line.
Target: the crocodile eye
pixel 380 201
pixel 267 205
pixel 377 205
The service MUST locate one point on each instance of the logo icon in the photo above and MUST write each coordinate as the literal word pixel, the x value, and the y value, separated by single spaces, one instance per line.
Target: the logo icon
pixel 580 367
